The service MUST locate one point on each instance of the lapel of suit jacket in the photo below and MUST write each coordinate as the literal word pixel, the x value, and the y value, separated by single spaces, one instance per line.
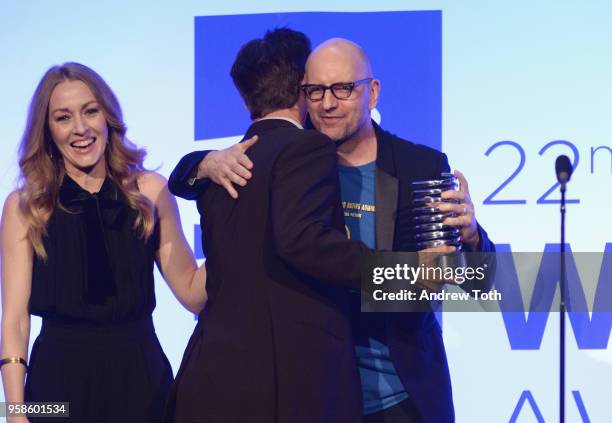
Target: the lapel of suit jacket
pixel 387 186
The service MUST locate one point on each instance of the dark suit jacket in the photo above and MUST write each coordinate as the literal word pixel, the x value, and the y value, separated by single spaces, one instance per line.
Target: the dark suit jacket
pixel 414 339
pixel 274 341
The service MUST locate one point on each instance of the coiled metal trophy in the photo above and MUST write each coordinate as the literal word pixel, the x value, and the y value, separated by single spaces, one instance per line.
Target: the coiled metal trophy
pixel 428 229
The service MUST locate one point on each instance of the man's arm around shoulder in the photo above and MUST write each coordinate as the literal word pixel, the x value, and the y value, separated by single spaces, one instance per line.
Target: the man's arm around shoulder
pixel 183 180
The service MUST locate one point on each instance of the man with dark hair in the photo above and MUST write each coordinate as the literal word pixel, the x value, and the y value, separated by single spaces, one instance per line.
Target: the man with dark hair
pixel 266 79
pixel 274 341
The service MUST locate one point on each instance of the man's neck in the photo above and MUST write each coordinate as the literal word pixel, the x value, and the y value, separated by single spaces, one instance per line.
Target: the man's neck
pixel 291 114
pixel 360 149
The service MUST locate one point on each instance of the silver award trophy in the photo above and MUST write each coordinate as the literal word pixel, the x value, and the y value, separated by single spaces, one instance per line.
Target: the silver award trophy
pixel 427 230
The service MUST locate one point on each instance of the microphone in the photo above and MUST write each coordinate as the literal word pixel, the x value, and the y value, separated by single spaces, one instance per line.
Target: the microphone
pixel 563 168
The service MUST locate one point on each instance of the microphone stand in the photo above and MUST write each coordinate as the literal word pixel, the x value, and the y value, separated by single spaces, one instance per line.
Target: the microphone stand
pixel 562 284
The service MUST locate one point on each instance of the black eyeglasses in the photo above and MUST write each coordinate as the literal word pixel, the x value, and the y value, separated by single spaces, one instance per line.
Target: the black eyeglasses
pixel 340 90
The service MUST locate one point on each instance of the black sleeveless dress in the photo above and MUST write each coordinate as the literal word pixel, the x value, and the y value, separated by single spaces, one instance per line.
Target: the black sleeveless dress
pixel 97 348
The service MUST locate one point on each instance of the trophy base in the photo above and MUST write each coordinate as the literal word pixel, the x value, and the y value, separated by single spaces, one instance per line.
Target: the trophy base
pixel 452 260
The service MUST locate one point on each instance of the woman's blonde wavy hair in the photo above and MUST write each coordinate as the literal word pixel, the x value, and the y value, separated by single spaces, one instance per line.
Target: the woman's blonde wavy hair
pixel 42 165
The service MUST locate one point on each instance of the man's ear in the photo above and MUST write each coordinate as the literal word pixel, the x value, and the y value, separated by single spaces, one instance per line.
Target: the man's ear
pixel 374 91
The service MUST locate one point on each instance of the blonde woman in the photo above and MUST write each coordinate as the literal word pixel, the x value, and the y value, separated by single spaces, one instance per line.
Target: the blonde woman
pixel 79 238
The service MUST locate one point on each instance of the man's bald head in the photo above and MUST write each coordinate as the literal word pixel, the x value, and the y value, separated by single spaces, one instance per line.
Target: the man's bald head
pixel 341 50
pixel 342 63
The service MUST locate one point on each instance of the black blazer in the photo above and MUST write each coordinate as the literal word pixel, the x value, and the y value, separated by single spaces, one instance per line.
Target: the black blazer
pixel 414 339
pixel 274 341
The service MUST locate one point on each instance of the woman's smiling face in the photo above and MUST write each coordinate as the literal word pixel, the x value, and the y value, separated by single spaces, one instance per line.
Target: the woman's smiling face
pixel 78 127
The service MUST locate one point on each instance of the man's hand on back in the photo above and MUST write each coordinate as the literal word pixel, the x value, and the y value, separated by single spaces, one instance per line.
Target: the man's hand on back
pixel 229 166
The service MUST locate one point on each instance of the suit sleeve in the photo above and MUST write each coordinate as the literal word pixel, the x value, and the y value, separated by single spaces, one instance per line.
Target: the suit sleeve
pixel 305 197
pixel 443 166
pixel 187 167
